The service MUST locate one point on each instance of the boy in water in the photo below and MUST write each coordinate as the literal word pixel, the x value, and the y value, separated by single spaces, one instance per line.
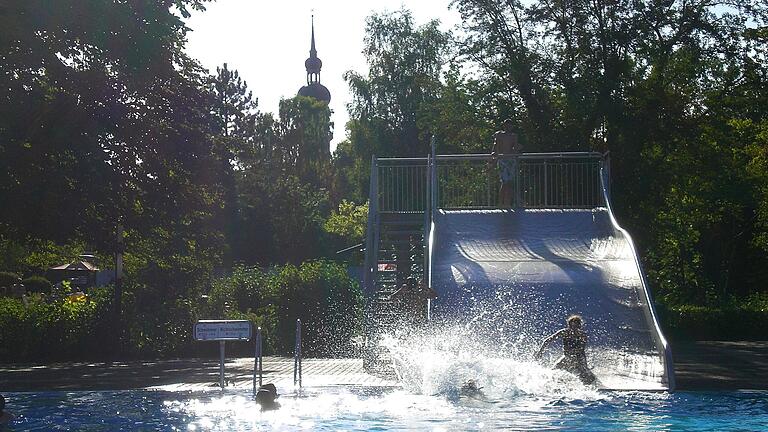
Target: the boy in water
pixel 411 302
pixel 266 396
pixel 574 359
pixel 5 417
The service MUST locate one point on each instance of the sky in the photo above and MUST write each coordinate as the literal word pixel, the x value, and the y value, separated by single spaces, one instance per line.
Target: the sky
pixel 268 41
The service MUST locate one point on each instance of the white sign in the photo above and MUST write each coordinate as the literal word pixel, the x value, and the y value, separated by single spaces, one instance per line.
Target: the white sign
pixel 222 330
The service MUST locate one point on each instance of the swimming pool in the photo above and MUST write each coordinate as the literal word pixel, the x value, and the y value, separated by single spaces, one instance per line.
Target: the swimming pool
pixel 350 409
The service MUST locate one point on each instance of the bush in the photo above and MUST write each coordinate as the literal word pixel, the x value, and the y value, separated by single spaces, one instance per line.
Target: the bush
pixel 7 279
pixel 37 284
pixel 692 322
pixel 157 326
pixel 61 329
pixel 328 302
pixel 158 320
pixel 320 293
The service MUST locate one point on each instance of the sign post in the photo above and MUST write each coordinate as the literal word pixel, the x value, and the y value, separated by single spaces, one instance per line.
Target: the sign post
pixel 222 331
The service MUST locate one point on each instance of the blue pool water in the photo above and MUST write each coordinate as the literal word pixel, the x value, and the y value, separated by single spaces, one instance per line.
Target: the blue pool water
pixel 365 409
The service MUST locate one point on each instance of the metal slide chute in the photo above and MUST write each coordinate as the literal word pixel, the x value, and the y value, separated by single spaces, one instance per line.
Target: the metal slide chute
pixel 509 277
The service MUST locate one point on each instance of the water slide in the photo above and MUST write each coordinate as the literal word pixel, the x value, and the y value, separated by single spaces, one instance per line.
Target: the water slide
pixel 513 276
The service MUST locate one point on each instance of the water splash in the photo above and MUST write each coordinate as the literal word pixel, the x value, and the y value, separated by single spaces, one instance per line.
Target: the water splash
pixel 442 362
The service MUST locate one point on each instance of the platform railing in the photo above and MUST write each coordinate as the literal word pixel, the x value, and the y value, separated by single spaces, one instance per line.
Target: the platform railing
pixel 535 180
pixel 402 184
pixel 473 181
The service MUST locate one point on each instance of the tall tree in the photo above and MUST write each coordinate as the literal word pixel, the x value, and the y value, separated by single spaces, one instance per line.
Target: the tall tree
pixel 104 119
pixel 390 104
pixel 233 114
pixel 665 86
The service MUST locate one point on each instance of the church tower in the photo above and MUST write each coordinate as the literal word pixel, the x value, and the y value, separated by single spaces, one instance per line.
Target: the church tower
pixel 313 64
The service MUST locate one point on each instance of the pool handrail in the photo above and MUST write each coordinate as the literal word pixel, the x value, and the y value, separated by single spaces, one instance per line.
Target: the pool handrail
pixel 258 369
pixel 297 355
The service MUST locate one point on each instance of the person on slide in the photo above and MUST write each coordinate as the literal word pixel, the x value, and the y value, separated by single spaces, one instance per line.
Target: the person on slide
pixel 574 359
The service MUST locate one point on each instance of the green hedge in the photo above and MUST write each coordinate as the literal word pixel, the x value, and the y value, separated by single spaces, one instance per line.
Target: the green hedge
pixel 320 293
pixel 37 284
pixel 53 329
pixel 691 322
pixel 7 279
pixel 158 321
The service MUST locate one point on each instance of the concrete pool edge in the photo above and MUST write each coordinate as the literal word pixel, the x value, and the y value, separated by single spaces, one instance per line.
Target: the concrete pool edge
pixel 699 365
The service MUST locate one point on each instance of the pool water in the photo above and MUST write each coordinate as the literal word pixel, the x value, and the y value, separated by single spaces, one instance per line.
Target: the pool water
pixel 350 409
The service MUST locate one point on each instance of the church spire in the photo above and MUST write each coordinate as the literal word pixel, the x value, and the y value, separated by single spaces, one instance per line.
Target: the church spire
pixel 313 65
pixel 312 50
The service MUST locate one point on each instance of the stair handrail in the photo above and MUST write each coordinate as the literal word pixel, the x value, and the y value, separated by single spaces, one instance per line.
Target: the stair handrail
pixel 372 228
pixel 427 216
pixel 431 208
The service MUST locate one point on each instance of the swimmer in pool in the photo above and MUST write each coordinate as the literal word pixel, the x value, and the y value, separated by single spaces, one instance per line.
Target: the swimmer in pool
pixel 470 389
pixel 265 397
pixel 574 359
pixel 5 416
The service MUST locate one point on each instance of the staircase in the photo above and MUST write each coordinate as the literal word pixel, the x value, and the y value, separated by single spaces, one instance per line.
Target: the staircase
pixel 400 255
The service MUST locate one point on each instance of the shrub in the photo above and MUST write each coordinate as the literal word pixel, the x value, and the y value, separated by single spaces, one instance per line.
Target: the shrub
pixel 53 330
pixel 693 322
pixel 37 284
pixel 320 293
pixel 328 302
pixel 7 279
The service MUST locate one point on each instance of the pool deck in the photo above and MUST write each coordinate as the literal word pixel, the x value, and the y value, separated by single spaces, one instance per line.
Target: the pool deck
pixel 702 365
pixel 721 365
pixel 184 375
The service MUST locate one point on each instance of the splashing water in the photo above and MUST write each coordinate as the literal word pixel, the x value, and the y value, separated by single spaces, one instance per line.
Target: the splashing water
pixel 441 363
pixel 339 408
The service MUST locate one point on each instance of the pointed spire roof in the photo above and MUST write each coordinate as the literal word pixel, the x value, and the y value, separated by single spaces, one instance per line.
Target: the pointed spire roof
pixel 314 64
pixel 312 50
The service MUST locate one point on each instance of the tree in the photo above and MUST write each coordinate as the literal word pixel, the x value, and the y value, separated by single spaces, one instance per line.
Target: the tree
pixel 405 65
pixel 234 114
pixel 103 120
pixel 305 132
pixel 666 87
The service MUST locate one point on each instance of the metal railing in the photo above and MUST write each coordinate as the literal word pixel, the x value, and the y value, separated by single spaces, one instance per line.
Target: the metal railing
pixel 297 355
pixel 473 181
pixel 402 184
pixel 534 180
pixel 372 229
pixel 258 367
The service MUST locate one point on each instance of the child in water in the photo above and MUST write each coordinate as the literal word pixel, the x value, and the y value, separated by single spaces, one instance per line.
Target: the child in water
pixel 574 359
pixel 5 416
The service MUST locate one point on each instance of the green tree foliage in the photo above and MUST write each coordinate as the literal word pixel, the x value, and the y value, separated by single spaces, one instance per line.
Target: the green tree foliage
pixel 405 66
pixel 283 196
pixel 415 89
pixel 234 113
pixel 349 222
pixel 305 132
pixel 675 90
pixel 320 293
pixel 106 119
